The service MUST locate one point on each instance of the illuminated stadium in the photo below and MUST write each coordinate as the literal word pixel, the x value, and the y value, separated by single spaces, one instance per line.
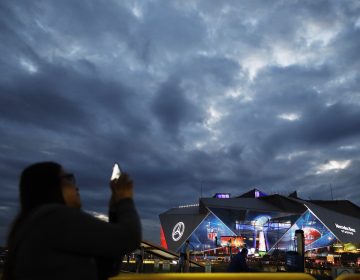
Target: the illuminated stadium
pixel 263 223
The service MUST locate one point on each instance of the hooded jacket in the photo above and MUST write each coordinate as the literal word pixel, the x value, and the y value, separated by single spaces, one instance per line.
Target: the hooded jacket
pixel 59 242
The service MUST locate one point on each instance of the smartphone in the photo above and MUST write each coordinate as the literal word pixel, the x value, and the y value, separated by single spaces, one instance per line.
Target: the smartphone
pixel 116 173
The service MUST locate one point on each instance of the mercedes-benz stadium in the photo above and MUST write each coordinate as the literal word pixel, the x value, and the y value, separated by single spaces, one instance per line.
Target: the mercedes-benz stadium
pixel 262 223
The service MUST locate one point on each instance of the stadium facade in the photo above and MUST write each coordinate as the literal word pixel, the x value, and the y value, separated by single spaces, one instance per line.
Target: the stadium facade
pixel 263 223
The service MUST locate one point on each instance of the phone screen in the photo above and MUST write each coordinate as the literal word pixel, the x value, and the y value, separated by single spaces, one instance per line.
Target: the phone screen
pixel 116 173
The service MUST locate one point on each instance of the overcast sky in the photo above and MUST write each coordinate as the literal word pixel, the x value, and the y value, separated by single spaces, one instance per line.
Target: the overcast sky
pixel 219 95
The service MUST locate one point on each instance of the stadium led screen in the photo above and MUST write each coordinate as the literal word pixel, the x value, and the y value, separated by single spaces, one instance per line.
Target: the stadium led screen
pixel 315 233
pixel 204 237
pixel 254 230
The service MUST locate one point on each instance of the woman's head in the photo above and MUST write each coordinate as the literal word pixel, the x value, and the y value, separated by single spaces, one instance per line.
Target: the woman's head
pixel 41 183
pixel 44 183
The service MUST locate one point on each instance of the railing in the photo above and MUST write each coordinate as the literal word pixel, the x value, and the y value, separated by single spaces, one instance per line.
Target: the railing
pixel 216 276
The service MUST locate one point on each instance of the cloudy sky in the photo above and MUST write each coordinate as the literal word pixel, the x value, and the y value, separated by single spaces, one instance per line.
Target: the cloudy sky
pixel 185 95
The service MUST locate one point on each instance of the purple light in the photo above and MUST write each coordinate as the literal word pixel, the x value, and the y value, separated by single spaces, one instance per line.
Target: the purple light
pixel 222 195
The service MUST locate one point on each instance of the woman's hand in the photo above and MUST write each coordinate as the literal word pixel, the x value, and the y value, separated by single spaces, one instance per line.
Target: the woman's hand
pixel 121 188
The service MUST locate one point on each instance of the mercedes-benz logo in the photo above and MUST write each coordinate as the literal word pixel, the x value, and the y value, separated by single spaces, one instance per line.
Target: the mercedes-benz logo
pixel 178 231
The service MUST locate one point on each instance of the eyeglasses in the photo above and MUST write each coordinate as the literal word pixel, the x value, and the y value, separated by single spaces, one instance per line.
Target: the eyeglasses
pixel 69 177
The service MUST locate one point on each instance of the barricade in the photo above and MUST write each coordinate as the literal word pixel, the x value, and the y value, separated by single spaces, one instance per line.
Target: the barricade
pixel 208 266
pixel 156 265
pixel 336 272
pixel 349 276
pixel 216 276
pixel 166 266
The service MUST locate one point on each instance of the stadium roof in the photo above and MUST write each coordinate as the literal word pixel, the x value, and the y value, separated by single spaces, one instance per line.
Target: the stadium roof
pixel 240 203
pixel 253 193
pixel 284 203
pixel 183 211
pixel 345 228
pixel 345 207
pixel 269 203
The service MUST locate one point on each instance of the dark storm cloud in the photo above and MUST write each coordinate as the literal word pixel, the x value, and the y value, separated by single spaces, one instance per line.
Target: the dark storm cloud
pixel 172 108
pixel 347 47
pixel 320 123
pixel 161 35
pixel 29 103
pixel 189 97
pixel 336 122
pixel 198 67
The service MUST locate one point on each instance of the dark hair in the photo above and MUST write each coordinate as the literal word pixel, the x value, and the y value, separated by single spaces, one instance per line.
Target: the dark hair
pixel 40 184
pixel 244 251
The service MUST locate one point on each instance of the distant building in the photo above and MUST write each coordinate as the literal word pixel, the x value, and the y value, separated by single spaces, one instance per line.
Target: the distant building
pixel 261 222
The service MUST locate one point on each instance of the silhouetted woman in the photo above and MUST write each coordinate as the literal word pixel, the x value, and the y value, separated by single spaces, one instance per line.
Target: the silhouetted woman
pixel 51 238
